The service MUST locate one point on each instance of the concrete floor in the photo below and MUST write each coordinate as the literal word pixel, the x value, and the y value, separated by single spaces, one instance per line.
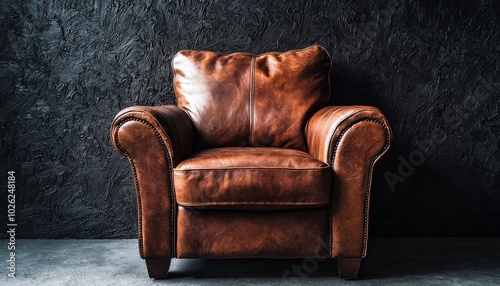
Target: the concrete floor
pixel 394 261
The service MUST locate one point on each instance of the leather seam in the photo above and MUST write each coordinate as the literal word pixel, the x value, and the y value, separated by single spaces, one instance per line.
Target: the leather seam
pixel 136 181
pixel 256 169
pixel 251 99
pixel 254 203
pixel 369 178
pixel 252 54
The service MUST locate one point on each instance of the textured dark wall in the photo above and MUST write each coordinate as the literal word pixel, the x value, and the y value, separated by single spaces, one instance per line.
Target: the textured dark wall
pixel 67 67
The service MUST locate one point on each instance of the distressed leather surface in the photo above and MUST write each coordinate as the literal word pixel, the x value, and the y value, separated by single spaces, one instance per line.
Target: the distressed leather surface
pixel 351 139
pixel 245 177
pixel 154 139
pixel 171 122
pixel 252 234
pixel 244 99
pixel 250 190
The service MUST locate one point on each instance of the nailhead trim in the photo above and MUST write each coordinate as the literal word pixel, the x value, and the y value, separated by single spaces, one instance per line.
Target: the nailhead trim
pixel 136 182
pixel 370 171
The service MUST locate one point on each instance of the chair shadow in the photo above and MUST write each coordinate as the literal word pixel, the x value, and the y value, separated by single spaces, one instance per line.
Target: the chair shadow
pixel 397 257
pixel 388 258
pixel 232 268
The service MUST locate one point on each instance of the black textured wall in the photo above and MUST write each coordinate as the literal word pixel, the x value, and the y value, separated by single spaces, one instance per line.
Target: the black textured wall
pixel 67 67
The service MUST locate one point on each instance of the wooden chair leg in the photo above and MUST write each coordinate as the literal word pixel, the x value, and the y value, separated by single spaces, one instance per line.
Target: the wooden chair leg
pixel 348 267
pixel 158 268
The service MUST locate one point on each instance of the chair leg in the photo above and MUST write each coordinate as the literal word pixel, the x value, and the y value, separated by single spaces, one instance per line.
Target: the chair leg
pixel 348 267
pixel 158 268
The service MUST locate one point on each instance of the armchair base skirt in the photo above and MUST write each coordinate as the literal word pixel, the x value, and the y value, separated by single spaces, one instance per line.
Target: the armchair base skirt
pixel 295 233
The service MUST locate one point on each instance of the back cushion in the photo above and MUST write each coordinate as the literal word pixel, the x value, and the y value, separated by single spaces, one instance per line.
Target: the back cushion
pixel 244 99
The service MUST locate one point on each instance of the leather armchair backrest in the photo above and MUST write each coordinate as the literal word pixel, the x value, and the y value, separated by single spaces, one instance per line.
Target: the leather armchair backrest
pixel 244 99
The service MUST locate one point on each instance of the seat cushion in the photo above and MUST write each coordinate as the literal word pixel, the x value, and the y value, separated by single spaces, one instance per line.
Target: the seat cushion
pixel 252 178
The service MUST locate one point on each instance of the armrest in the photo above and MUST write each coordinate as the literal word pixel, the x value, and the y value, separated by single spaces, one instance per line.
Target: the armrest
pixel 350 139
pixel 154 140
pixel 170 123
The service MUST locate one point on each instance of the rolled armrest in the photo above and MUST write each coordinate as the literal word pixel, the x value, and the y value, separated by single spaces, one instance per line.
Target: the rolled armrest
pixel 170 123
pixel 350 139
pixel 154 140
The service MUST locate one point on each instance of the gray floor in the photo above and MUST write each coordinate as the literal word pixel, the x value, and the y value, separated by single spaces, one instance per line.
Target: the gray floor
pixel 395 261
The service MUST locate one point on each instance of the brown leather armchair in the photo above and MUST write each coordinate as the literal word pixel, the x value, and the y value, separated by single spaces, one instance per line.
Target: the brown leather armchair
pixel 251 163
